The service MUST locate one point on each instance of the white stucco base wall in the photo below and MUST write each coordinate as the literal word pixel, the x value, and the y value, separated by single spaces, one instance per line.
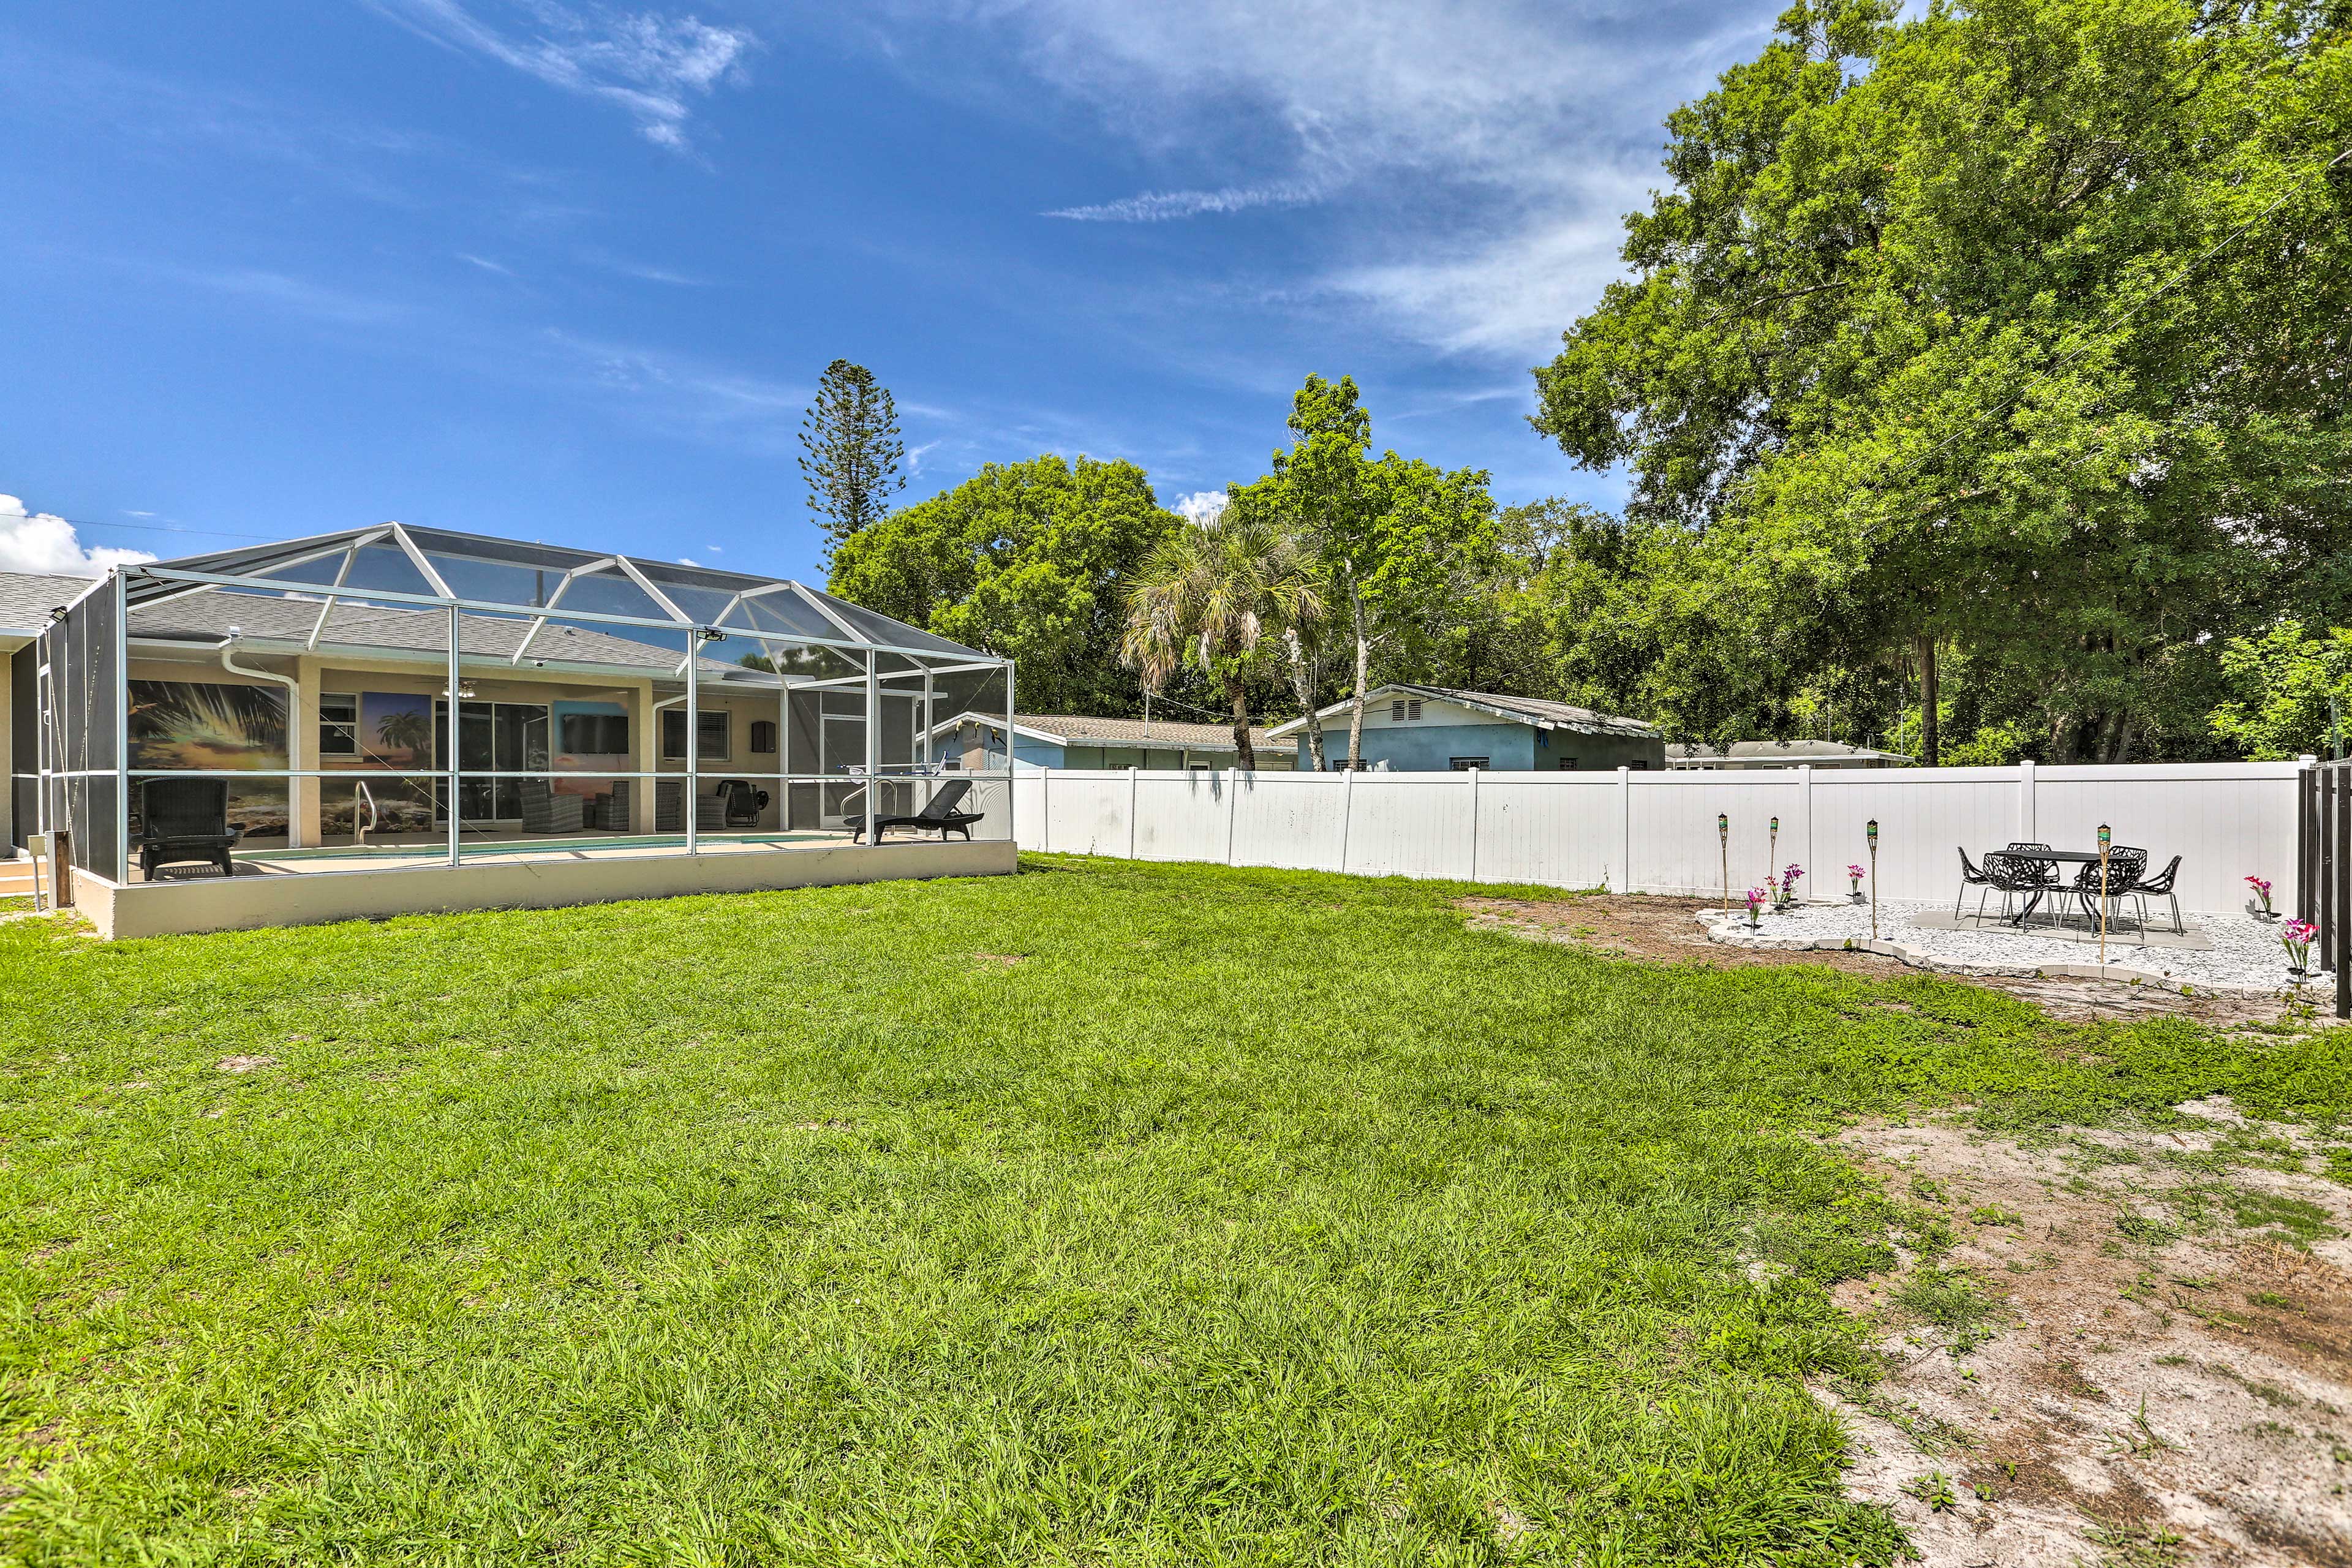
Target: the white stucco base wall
pixel 168 908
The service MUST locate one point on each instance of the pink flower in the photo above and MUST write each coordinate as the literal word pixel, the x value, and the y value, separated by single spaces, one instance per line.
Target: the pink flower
pixel 1856 872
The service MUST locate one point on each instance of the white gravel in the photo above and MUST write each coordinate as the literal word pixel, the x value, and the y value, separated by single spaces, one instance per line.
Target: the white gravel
pixel 2246 954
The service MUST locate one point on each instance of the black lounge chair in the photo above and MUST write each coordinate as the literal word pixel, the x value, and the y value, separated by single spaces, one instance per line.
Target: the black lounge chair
pixel 740 803
pixel 184 819
pixel 941 813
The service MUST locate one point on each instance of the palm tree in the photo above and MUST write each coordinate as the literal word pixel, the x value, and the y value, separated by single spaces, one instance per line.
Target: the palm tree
pixel 1209 596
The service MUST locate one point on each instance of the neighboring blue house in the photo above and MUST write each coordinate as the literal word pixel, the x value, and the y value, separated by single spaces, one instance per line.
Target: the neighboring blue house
pixel 1069 740
pixel 1429 729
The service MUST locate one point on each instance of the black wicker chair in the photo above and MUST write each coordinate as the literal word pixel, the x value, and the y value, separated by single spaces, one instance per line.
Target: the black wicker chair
pixel 2020 877
pixel 2160 886
pixel 1970 877
pixel 2125 866
pixel 185 819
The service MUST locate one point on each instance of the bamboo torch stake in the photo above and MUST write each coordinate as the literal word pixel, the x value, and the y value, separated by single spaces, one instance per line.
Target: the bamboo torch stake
pixel 1870 831
pixel 1723 836
pixel 2105 837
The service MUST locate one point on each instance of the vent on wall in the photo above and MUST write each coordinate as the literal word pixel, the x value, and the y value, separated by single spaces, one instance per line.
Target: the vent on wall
pixel 1400 710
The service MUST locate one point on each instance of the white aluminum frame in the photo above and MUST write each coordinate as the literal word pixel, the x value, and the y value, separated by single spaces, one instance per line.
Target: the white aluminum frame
pixel 928 665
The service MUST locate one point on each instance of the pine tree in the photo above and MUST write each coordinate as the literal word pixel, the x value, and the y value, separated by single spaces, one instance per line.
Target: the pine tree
pixel 851 436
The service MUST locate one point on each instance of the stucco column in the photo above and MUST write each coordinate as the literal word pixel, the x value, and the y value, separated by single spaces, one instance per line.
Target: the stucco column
pixel 644 726
pixel 303 830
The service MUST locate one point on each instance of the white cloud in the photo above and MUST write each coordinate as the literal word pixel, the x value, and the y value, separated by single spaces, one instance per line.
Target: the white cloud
pixel 652 65
pixel 1203 507
pixel 44 542
pixel 485 264
pixel 1483 150
pixel 1159 206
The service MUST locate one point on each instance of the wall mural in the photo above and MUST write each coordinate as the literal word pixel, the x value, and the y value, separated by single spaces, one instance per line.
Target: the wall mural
pixel 215 726
pixel 397 730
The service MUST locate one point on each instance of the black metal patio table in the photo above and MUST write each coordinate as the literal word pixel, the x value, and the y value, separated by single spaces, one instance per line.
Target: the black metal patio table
pixel 2066 857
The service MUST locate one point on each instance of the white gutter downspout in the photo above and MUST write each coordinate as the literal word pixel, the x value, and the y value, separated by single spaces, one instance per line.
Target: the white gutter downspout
pixel 293 729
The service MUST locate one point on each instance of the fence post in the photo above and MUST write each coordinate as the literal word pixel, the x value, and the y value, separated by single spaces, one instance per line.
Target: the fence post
pixel 2305 848
pixel 2025 803
pixel 2343 894
pixel 1134 784
pixel 1232 797
pixel 1347 815
pixel 1805 816
pixel 1474 824
pixel 1044 802
pixel 2322 798
pixel 1625 823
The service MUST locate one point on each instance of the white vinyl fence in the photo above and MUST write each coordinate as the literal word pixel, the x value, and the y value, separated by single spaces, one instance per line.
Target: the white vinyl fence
pixel 1656 832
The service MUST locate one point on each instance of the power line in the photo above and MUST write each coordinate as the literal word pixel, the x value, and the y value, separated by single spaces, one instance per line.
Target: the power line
pixel 150 527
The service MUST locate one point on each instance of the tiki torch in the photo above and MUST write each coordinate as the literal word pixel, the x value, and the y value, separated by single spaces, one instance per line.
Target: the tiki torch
pixel 2106 837
pixel 1870 831
pixel 1723 836
pixel 1772 852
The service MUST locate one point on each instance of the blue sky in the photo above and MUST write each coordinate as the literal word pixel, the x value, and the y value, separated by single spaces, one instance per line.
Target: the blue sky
pixel 561 270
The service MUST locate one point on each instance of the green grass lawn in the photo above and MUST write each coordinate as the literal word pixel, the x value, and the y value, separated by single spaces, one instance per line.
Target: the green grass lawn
pixel 1108 1214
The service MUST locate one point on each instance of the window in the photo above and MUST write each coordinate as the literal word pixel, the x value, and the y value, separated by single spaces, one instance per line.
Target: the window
pixel 1567 765
pixel 339 724
pixel 1464 764
pixel 595 734
pixel 1404 710
pixel 710 743
pixel 1642 766
pixel 763 737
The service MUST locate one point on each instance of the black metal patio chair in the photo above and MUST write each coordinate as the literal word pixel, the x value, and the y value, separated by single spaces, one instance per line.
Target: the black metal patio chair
pixel 2125 866
pixel 2020 877
pixel 2160 886
pixel 1971 877
pixel 185 819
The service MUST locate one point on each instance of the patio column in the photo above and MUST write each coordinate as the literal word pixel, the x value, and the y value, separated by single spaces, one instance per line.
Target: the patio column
pixel 873 747
pixel 693 731
pixel 449 780
pixel 303 826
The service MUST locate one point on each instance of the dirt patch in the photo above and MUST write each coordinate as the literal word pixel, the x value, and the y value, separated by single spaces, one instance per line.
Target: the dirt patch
pixel 1001 960
pixel 2138 1349
pixel 1621 925
pixel 245 1064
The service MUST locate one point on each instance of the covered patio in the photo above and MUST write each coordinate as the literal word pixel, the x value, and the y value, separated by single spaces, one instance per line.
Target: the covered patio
pixel 417 715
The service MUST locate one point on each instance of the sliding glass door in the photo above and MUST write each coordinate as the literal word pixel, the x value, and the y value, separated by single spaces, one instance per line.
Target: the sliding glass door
pixel 492 737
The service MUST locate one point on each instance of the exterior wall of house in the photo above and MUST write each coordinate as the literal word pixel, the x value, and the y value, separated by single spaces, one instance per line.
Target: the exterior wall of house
pixel 319 812
pixel 12 832
pixel 1446 731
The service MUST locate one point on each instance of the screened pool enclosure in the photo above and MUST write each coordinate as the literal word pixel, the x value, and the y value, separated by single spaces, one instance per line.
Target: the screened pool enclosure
pixel 400 697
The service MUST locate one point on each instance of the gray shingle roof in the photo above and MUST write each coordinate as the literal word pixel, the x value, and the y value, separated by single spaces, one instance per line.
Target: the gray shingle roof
pixel 1538 711
pixel 1136 732
pixel 206 618
pixel 27 598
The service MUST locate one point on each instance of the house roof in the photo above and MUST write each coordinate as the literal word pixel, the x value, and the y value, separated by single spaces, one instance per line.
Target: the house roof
pixel 1779 752
pixel 1540 712
pixel 27 598
pixel 1067 728
pixel 429 565
pixel 379 631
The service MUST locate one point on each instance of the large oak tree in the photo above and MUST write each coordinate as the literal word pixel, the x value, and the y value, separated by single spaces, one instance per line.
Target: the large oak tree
pixel 2017 329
